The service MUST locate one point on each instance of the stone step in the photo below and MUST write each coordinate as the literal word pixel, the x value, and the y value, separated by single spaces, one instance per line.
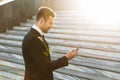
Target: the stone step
pixel 9 69
pixel 98 39
pixel 96 27
pixel 88 53
pixel 14 32
pixel 63 19
pixel 81 61
pixel 85 45
pixel 11 50
pixel 84 20
pixel 85 38
pixel 21 28
pixel 74 14
pixel 89 63
pixel 68 18
pixel 5 62
pixel 84 75
pixel 14 58
pixel 11 37
pixel 21 73
pixel 10 76
pixel 71 13
pixel 88 27
pixel 7 42
pixel 81 26
pixel 5 78
pixel 62 76
pixel 58 19
pixel 77 32
pixel 15 70
pixel 86 32
pixel 14 65
pixel 85 51
pixel 72 22
pixel 66 12
pixel 10 43
pixel 27 24
pixel 88 45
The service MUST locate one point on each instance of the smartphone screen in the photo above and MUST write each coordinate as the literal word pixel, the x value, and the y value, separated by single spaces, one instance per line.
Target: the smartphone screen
pixel 78 48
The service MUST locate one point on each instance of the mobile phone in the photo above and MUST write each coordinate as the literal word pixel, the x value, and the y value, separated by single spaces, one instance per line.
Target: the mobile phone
pixel 78 48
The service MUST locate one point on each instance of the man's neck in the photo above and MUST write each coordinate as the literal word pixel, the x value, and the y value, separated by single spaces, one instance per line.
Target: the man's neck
pixel 38 29
pixel 39 26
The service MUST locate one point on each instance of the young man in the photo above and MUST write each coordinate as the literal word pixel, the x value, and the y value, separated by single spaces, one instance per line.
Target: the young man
pixel 38 65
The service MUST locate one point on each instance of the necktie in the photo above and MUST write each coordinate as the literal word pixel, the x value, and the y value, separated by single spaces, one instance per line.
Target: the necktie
pixel 44 40
pixel 42 36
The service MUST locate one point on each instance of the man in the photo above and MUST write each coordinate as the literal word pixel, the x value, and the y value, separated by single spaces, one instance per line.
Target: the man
pixel 38 65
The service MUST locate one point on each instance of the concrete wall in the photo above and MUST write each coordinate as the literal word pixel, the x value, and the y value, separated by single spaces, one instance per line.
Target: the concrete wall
pixel 17 11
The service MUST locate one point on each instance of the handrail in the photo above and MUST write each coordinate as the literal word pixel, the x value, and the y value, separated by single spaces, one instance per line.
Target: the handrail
pixel 2 2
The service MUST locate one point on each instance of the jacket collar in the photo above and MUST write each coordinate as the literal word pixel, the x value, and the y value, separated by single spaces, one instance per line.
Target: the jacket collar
pixel 35 32
pixel 38 29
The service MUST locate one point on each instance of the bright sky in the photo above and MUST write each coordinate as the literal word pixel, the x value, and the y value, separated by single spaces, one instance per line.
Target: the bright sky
pixel 100 11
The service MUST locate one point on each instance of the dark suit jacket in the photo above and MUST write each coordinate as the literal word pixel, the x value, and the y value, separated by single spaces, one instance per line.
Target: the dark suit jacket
pixel 38 65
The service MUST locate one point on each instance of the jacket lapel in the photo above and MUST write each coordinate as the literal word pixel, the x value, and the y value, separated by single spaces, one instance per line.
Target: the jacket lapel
pixel 38 35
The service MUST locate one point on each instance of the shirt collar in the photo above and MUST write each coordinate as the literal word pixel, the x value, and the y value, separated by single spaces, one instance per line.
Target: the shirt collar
pixel 38 29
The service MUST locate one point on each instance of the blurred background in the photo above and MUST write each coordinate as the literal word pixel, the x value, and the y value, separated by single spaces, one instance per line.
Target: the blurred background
pixel 94 25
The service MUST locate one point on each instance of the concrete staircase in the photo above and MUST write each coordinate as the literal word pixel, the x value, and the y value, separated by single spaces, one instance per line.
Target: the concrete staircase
pixel 98 57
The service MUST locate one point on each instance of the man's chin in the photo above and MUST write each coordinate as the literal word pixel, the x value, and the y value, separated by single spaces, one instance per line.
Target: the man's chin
pixel 46 31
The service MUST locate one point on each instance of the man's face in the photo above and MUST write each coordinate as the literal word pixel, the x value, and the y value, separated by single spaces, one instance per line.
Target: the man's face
pixel 48 24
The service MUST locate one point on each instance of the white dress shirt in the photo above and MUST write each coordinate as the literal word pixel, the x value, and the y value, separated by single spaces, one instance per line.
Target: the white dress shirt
pixel 38 29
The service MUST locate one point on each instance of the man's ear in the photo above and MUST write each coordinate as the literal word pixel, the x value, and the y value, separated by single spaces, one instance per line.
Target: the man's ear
pixel 42 20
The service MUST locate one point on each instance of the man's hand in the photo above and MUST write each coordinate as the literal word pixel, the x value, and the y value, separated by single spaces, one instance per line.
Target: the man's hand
pixel 71 54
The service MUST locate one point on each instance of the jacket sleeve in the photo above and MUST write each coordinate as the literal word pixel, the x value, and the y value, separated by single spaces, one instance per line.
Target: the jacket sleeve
pixel 37 53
